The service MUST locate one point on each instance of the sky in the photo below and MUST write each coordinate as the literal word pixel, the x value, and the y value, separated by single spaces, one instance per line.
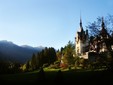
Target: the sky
pixel 48 23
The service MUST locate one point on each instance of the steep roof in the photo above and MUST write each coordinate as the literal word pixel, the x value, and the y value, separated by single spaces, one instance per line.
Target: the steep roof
pixel 103 31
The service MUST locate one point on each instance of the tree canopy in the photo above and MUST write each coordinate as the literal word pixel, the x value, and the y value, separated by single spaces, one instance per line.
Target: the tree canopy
pixel 95 27
pixel 46 56
pixel 68 52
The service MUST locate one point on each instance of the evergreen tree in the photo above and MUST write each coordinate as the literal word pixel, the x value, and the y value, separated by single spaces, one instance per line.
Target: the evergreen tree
pixel 46 56
pixel 33 62
pixel 68 53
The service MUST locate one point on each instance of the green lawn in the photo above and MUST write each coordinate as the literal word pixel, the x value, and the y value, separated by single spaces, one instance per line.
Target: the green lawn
pixel 68 77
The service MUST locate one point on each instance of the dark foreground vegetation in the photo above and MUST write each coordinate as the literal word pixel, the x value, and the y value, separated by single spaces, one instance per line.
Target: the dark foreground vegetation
pixel 70 77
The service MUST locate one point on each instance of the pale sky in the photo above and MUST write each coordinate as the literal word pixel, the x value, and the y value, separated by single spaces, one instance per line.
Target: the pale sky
pixel 48 23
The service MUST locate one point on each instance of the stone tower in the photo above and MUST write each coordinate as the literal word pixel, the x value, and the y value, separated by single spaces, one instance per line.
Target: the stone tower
pixel 81 40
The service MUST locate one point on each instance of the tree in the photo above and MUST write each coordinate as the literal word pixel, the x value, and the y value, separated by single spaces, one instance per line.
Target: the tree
pixel 52 55
pixel 95 27
pixel 33 62
pixel 46 56
pixel 68 53
pixel 27 66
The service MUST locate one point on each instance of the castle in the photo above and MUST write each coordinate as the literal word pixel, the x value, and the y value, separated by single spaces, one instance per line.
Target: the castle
pixel 100 43
pixel 81 41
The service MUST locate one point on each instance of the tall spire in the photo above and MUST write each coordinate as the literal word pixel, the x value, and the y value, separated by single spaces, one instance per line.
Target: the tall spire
pixel 103 30
pixel 80 22
pixel 81 28
pixel 103 23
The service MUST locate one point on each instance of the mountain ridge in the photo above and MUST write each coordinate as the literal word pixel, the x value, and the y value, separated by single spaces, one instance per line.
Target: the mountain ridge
pixel 13 52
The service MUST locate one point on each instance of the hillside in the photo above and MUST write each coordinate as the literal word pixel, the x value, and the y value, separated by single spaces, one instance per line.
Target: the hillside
pixel 12 52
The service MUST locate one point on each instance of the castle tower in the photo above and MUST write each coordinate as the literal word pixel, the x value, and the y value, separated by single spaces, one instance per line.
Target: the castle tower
pixel 103 41
pixel 81 40
pixel 104 38
pixel 103 32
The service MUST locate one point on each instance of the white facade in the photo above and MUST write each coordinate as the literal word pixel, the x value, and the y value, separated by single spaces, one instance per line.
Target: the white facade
pixel 81 41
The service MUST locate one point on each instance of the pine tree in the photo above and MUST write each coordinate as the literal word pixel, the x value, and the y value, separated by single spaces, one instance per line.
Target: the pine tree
pixel 33 62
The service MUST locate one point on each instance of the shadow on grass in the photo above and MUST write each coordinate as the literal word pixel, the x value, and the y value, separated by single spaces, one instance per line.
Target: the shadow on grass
pixel 70 77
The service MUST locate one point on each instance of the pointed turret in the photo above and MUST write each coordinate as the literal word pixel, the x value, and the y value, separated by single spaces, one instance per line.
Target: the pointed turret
pixel 103 31
pixel 81 28
pixel 103 26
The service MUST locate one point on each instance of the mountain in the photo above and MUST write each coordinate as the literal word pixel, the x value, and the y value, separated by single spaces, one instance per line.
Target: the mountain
pixel 33 48
pixel 12 52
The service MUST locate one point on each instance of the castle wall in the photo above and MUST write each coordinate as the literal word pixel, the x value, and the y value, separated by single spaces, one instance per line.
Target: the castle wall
pixel 80 47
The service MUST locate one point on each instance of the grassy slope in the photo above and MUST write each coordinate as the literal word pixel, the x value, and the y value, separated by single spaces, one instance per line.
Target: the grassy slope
pixel 69 77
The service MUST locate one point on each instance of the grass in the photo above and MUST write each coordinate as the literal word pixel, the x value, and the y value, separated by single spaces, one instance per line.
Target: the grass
pixel 19 77
pixel 69 77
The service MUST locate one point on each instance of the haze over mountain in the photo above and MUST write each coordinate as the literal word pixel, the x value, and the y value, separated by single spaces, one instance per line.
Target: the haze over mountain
pixel 12 52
